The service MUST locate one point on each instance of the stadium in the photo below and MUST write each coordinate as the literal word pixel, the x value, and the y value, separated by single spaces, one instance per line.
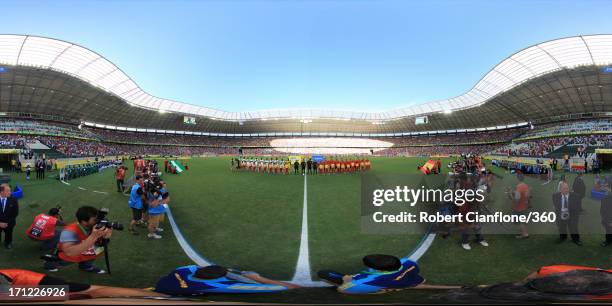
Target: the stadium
pixel 284 192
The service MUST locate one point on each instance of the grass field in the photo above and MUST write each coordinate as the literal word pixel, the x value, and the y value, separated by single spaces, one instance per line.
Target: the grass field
pixel 252 221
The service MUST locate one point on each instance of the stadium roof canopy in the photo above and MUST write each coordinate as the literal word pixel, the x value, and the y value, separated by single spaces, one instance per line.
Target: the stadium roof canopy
pixel 571 60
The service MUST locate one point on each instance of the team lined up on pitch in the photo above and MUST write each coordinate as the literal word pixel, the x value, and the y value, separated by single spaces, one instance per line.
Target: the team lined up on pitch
pixel 301 165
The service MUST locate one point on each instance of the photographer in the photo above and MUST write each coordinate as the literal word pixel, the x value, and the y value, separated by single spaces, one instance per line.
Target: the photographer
pixel 520 203
pixel 120 177
pixel 135 202
pixel 78 242
pixel 166 200
pixel 468 228
pixel 44 228
pixel 156 209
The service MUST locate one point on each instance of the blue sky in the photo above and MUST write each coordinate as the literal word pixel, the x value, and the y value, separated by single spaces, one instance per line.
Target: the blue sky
pixel 359 55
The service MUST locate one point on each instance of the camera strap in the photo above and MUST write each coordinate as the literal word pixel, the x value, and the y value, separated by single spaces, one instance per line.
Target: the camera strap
pixel 84 230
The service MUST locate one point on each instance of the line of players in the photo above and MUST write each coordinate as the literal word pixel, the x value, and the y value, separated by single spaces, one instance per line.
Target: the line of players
pixel 283 166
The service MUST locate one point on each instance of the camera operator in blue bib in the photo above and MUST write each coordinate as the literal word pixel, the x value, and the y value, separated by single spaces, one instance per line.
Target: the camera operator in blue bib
pixel 135 202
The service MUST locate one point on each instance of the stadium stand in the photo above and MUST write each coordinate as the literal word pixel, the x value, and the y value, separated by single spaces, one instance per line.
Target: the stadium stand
pixel 557 140
pixel 64 140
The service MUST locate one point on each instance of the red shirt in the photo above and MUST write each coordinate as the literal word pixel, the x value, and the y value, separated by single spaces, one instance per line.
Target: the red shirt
pixel 522 203
pixel 43 227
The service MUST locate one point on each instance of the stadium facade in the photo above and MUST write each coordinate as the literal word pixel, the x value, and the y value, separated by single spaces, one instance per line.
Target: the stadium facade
pixel 50 79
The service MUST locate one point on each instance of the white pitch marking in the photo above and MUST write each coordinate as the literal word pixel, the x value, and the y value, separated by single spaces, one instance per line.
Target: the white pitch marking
pixel 65 183
pixel 302 269
pixel 189 251
pixel 420 251
pixel 82 188
pixel 102 192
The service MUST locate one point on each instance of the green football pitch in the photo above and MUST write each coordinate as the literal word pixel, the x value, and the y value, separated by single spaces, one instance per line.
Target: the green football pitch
pixel 253 221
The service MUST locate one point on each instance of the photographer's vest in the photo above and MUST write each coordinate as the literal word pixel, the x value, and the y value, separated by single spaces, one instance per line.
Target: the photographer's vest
pixel 19 277
pixel 43 227
pixel 89 254
pixel 548 270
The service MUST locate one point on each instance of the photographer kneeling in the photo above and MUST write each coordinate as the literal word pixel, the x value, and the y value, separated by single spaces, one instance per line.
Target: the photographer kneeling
pixel 44 228
pixel 79 242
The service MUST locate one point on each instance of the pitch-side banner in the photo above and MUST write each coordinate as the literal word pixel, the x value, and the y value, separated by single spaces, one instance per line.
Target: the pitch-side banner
pixel 318 158
pixel 9 151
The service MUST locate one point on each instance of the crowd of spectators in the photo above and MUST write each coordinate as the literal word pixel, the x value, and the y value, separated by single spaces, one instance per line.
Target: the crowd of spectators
pixel 76 147
pixel 465 138
pixel 155 138
pixel 553 129
pixel 67 139
pixel 12 141
pixel 544 146
pixel 42 127
pixel 438 150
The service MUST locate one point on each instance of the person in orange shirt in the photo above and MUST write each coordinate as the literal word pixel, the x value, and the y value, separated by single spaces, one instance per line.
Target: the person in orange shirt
pixel 120 177
pixel 520 203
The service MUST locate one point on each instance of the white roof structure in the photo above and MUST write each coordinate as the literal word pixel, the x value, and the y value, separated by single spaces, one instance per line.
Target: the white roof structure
pixel 82 63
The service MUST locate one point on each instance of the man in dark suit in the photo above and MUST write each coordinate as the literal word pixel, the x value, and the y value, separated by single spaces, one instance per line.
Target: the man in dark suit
pixel 567 207
pixel 43 167
pixel 578 186
pixel 9 209
pixel 37 165
pixel 606 218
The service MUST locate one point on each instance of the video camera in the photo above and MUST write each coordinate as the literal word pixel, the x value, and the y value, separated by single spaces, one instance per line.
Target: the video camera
pixel 154 187
pixel 102 221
